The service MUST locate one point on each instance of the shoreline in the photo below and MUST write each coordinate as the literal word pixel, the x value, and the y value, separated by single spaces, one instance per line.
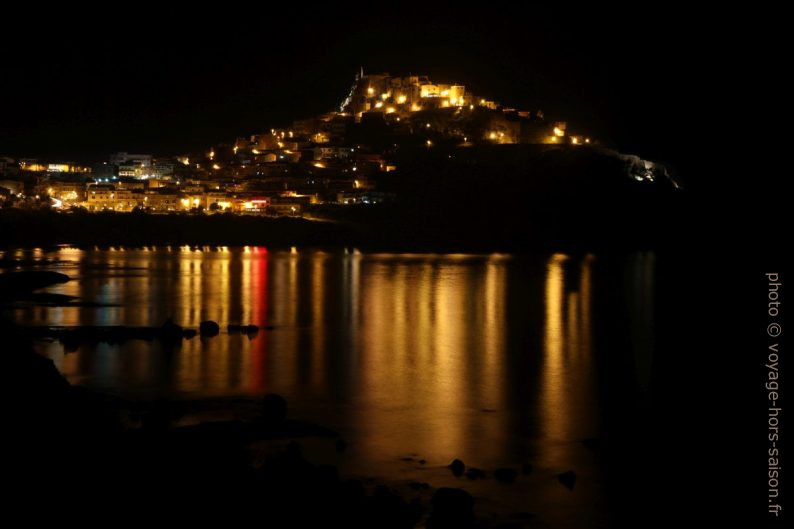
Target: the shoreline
pixel 244 453
pixel 26 229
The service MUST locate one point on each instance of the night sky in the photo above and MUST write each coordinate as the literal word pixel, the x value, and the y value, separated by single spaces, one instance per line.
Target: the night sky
pixel 170 82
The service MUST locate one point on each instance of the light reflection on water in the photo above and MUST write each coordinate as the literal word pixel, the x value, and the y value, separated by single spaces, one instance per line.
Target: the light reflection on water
pixel 490 358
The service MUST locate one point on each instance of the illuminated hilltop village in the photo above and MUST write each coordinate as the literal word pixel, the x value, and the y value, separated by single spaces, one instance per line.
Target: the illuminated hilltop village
pixel 333 158
pixel 405 102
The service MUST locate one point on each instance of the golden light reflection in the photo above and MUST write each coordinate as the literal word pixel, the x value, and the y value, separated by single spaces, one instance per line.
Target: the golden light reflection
pixel 567 382
pixel 414 347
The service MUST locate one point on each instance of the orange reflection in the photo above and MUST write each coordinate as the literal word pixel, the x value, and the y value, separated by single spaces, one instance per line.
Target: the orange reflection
pixel 567 380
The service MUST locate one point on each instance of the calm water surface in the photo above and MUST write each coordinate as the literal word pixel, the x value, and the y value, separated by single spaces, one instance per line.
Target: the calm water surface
pixel 495 359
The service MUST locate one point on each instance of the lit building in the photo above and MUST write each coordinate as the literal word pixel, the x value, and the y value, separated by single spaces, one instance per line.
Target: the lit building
pixel 120 158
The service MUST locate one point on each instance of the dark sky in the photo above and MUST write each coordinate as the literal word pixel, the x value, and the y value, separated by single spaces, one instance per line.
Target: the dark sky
pixel 75 87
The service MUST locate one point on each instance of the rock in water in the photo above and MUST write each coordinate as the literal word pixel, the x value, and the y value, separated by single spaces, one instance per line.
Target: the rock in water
pixel 475 473
pixel 568 479
pixel 274 409
pixel 457 467
pixel 209 328
pixel 170 331
pixel 505 475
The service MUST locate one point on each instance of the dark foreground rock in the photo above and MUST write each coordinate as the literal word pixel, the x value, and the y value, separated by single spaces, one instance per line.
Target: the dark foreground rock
pixel 452 509
pixel 67 447
pixel 16 284
pixel 274 409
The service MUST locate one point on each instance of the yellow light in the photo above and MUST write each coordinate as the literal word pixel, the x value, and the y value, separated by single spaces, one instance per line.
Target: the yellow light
pixel 384 96
pixel 248 205
pixel 224 204
pixel 453 100
pixel 445 103
pixel 444 93
pixel 319 165
pixel 356 184
pixel 49 191
pixel 574 140
pixel 401 99
pixel 390 110
pixel 370 90
pixel 587 140
pixel 554 139
pixel 415 108
pixel 280 145
pixel 185 202
pixel 196 202
pixel 379 104
pixel 255 151
pixel 558 131
pixel 429 143
pixel 212 155
pixel 482 101
pixel 216 166
pixel 492 135
pixel 427 125
pixel 471 107
pixel 235 149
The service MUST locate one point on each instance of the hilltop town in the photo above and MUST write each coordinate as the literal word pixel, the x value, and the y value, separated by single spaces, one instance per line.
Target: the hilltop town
pixel 333 158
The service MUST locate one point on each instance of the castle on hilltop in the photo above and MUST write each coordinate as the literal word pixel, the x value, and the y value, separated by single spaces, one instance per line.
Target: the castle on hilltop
pixel 410 99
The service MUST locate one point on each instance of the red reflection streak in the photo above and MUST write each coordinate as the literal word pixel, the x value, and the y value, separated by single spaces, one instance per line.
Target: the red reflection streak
pixel 260 286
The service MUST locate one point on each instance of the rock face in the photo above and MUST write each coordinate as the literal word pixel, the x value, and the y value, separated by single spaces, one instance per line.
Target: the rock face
pixel 452 508
pixel 209 328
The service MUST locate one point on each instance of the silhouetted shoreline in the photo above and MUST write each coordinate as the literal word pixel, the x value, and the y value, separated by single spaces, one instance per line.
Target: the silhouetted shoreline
pixel 133 459
pixel 377 229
